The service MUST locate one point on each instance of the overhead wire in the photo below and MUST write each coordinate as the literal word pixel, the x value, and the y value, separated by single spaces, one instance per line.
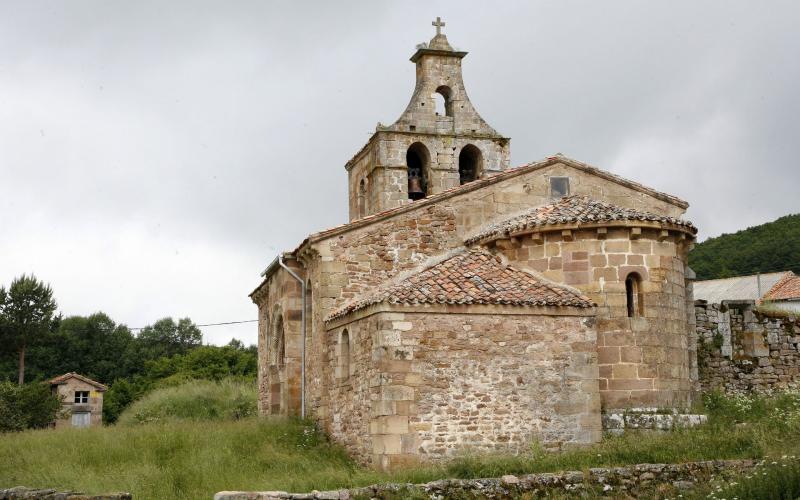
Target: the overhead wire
pixel 208 324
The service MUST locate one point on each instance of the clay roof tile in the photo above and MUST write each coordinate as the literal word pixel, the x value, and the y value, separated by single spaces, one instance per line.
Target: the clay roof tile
pixel 568 210
pixel 469 277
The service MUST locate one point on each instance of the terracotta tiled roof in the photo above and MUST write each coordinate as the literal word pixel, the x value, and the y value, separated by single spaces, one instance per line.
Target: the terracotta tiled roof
pixel 62 379
pixel 469 277
pixel 570 210
pixel 787 288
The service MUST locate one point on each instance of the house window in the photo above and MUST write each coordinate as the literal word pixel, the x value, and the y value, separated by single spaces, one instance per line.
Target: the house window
pixel 81 397
pixel 559 187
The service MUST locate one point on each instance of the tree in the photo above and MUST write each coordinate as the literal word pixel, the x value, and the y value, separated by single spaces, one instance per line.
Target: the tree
pixel 26 311
pixel 167 338
pixel 28 406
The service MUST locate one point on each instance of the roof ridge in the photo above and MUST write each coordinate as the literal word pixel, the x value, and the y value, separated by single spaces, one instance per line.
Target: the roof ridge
pixel 61 378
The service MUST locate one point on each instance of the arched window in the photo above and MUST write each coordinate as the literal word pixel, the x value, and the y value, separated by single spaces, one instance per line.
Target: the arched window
pixel 469 163
pixel 263 344
pixel 417 159
pixel 362 198
pixel 633 295
pixel 344 355
pixel 444 105
pixel 278 347
pixel 309 311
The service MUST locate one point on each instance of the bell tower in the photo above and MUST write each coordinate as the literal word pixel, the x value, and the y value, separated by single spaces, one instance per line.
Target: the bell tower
pixel 439 142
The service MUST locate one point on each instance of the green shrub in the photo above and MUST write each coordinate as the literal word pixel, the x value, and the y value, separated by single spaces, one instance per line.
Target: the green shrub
pixel 194 400
pixel 120 395
pixel 777 479
pixel 29 406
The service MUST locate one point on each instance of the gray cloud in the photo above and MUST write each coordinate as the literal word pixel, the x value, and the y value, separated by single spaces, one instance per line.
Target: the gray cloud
pixel 154 156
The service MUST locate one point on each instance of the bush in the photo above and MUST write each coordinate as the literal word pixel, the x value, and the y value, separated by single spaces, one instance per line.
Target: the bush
pixel 120 395
pixel 29 406
pixel 771 480
pixel 194 400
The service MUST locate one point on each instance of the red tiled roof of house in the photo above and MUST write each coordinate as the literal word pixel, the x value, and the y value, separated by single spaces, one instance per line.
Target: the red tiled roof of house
pixel 62 379
pixel 787 288
pixel 570 210
pixel 470 277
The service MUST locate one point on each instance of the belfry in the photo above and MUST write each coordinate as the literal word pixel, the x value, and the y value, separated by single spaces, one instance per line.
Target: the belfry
pixel 430 148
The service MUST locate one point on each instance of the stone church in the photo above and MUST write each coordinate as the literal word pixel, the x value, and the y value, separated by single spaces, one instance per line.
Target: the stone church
pixel 470 306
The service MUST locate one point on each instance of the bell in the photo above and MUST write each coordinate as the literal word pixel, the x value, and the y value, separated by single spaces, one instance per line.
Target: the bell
pixel 415 191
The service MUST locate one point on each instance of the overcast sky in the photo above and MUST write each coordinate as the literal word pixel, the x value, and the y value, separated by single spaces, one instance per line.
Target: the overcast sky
pixel 155 156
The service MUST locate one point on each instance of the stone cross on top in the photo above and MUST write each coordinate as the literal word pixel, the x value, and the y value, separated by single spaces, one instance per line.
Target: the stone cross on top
pixel 439 25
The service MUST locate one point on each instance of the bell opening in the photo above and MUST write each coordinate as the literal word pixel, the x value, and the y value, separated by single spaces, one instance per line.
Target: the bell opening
pixel 469 164
pixel 416 161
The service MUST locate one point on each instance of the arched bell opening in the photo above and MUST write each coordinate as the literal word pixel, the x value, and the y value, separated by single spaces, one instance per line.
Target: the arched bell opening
pixel 444 104
pixel 417 164
pixel 362 198
pixel 470 164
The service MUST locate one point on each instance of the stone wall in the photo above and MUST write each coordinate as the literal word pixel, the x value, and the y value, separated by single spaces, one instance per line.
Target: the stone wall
pixel 425 385
pixel 643 360
pixel 21 492
pixel 634 481
pixel 740 349
pixel 279 315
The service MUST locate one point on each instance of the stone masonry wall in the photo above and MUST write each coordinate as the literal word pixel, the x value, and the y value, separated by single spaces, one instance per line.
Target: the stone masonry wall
pixel 743 350
pixel 440 383
pixel 354 388
pixel 644 361
pixel 21 492
pixel 633 481
pixel 279 304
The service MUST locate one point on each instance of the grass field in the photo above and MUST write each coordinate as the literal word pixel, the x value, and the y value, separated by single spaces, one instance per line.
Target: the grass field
pixel 187 458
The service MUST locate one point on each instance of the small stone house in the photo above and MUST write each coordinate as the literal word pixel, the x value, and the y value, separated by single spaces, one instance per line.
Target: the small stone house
pixel 82 400
pixel 470 306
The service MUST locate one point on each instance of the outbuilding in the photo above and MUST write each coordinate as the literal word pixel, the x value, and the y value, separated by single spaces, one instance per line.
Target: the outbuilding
pixel 82 400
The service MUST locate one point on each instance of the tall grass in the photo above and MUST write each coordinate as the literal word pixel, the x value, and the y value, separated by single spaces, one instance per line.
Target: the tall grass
pixel 194 400
pixel 180 460
pixel 180 456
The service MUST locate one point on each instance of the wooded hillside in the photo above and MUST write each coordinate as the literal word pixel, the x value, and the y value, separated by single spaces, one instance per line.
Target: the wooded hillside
pixel 774 246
